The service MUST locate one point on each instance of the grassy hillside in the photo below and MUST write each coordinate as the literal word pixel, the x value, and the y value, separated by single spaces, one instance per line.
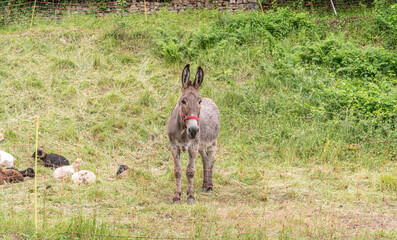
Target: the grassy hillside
pixel 104 87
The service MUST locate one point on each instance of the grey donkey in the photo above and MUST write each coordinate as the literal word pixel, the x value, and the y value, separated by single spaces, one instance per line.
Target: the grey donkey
pixel 194 127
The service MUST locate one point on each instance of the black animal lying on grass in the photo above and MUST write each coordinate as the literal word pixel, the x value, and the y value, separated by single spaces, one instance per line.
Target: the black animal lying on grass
pixel 122 171
pixel 29 172
pixel 51 160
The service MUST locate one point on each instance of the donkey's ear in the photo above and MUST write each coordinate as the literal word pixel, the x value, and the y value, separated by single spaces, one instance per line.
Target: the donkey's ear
pixel 198 80
pixel 186 76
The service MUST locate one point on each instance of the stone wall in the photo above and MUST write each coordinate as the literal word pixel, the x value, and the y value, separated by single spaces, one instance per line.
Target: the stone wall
pixel 182 5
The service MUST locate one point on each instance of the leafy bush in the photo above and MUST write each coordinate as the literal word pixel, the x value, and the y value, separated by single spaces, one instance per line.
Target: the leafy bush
pixel 173 50
pixel 360 100
pixel 346 59
pixel 239 29
pixel 363 86
pixel 386 24
pixel 245 28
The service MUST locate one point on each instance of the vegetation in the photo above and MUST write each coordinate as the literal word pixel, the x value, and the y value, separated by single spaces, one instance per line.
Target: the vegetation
pixel 317 96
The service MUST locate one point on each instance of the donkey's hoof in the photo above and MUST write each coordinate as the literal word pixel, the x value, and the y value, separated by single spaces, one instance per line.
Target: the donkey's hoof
pixel 176 200
pixel 191 200
pixel 207 189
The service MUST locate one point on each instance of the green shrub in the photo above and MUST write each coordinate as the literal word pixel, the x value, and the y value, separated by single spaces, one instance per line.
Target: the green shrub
pixel 173 50
pixel 361 85
pixel 344 58
pixel 361 100
pixel 240 29
pixel 280 23
pixel 386 25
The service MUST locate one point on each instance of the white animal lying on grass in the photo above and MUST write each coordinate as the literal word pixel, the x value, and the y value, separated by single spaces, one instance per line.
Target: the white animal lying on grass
pixel 67 171
pixel 83 176
pixel 6 159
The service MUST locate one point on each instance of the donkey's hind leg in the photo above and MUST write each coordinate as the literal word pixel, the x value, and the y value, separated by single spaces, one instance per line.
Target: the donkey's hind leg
pixel 210 167
pixel 204 157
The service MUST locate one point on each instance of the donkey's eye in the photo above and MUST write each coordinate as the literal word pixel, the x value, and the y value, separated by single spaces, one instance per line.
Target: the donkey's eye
pixel 183 102
pixel 200 102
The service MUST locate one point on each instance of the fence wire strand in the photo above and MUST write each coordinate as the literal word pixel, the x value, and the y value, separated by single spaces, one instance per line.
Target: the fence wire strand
pixel 26 11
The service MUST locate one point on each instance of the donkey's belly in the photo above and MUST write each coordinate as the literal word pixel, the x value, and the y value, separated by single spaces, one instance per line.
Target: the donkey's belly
pixel 205 144
pixel 185 146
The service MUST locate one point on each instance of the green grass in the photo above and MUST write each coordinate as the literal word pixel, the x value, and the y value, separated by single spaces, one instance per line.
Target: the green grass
pixel 299 96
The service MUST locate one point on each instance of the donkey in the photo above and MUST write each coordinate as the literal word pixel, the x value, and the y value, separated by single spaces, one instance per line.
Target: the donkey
pixel 194 127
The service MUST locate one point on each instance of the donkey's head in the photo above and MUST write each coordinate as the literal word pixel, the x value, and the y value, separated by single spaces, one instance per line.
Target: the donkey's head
pixel 190 101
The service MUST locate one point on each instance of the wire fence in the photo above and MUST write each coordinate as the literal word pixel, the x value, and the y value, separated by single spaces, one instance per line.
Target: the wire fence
pixel 22 11
pixel 319 192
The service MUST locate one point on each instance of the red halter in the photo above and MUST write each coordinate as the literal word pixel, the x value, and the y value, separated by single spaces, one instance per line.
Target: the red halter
pixel 188 117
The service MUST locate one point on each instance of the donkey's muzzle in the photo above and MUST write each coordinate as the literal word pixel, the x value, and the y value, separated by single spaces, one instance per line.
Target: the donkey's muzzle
pixel 192 132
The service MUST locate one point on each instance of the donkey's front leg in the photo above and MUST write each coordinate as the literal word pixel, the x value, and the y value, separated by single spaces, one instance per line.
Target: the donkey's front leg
pixel 190 174
pixel 176 152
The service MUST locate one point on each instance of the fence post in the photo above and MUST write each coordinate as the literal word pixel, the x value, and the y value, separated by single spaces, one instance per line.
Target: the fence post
pixel 35 177
pixel 144 1
pixel 31 23
pixel 334 8
pixel 260 4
